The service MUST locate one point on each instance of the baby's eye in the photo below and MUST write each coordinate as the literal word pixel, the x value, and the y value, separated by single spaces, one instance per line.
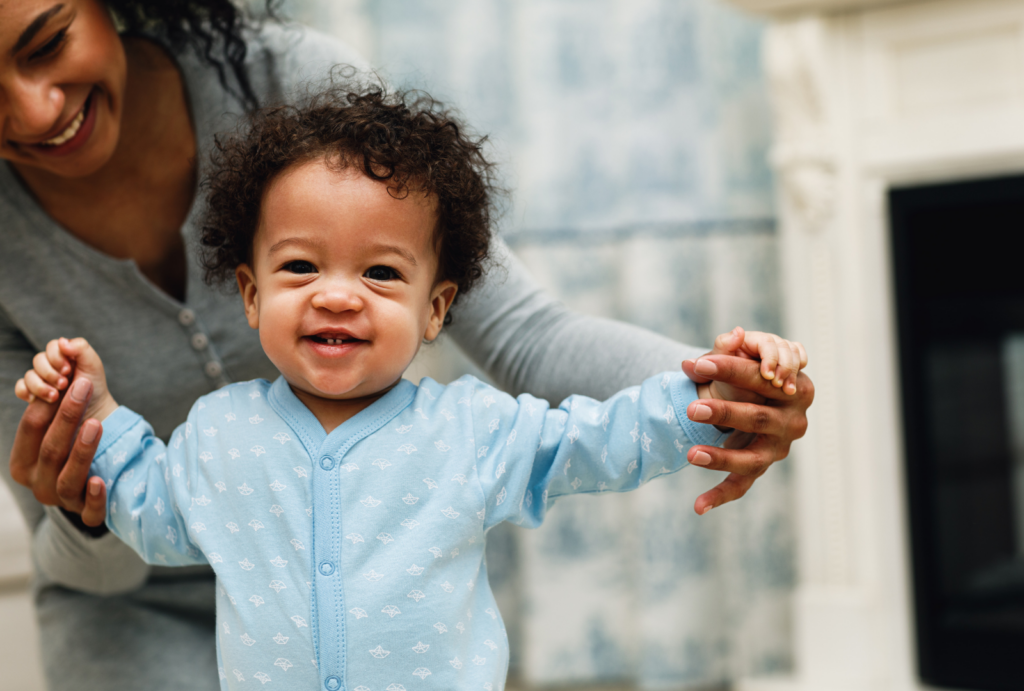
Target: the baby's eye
pixel 381 273
pixel 299 266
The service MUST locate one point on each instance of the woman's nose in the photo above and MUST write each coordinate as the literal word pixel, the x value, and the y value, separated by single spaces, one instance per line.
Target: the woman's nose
pixel 34 108
pixel 338 296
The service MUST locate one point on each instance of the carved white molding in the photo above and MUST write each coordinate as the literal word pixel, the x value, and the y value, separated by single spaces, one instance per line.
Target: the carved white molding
pixel 810 6
pixel 795 63
pixel 868 96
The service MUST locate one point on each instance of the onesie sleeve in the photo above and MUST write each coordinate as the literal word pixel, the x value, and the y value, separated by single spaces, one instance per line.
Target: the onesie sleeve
pixel 529 454
pixel 148 486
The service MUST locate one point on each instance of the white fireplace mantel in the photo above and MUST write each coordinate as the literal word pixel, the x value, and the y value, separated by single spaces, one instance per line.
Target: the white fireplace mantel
pixel 785 7
pixel 868 96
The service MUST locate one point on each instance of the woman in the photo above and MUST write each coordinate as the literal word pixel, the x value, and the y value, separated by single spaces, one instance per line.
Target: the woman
pixel 105 137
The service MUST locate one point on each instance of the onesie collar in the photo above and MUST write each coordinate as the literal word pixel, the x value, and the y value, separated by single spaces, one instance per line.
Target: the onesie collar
pixel 311 433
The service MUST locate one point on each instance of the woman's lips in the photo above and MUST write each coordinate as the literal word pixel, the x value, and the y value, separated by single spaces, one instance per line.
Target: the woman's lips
pixel 74 135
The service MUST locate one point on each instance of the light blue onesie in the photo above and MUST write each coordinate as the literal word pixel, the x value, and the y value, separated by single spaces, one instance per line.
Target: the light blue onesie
pixel 355 560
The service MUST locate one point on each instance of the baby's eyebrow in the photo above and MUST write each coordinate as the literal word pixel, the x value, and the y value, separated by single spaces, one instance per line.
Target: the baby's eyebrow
pixel 400 251
pixel 315 244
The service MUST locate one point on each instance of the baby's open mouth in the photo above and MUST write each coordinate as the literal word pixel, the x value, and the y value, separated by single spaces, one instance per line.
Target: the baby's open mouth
pixel 334 339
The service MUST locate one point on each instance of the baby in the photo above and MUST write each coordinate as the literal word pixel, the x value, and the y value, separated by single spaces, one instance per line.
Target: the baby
pixel 344 509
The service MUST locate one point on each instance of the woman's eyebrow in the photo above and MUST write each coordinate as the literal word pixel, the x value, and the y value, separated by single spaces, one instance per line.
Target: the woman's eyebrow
pixel 37 24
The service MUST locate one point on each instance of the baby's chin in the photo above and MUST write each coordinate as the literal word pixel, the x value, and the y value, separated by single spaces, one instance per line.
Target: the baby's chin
pixel 341 393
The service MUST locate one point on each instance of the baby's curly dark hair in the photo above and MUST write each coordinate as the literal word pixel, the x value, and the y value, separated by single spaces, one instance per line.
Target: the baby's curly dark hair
pixel 404 138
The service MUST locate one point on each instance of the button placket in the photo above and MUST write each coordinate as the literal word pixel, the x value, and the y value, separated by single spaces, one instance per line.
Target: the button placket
pixel 327 557
pixel 200 342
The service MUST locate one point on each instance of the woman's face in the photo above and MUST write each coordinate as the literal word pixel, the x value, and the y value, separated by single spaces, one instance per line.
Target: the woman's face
pixel 62 81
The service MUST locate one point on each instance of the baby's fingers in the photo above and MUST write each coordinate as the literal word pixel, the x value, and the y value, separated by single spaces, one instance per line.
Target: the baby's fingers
pixel 789 363
pixel 56 357
pixel 35 386
pixel 22 392
pixel 802 354
pixel 46 372
pixel 768 351
pixel 729 343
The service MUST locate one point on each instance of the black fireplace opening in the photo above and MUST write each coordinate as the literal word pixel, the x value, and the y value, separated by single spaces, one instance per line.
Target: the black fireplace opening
pixel 959 280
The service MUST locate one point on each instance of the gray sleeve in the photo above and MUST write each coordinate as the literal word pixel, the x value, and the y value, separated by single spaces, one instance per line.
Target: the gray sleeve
pixel 529 342
pixel 61 553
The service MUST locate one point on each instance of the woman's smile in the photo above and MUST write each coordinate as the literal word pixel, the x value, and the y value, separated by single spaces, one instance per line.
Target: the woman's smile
pixel 73 136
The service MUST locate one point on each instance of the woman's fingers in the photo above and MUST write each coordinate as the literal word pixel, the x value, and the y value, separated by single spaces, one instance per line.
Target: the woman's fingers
pixel 25 450
pixel 95 510
pixel 730 489
pixel 73 477
pixel 750 461
pixel 57 442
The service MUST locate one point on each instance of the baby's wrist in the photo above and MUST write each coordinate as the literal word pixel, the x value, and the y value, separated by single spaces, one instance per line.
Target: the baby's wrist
pixel 102 407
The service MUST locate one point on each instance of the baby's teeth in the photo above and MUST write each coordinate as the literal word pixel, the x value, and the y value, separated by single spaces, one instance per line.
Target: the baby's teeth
pixel 70 132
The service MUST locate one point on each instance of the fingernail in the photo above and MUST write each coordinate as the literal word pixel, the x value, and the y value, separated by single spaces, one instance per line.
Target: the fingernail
pixel 701 458
pixel 62 383
pixel 701 412
pixel 705 367
pixel 706 509
pixel 89 431
pixel 81 390
pixel 791 388
pixel 94 489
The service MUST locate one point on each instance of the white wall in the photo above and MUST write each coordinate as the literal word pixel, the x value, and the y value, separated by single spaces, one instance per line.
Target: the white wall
pixel 20 669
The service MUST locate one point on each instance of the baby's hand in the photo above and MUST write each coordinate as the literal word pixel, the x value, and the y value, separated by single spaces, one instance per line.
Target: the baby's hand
pixel 52 372
pixel 781 360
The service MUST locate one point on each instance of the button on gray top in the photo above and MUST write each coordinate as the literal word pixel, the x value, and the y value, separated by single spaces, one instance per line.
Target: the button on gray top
pixel 186 317
pixel 213 369
pixel 200 341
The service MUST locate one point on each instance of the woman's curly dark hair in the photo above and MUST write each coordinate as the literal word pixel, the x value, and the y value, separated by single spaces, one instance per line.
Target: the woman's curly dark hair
pixel 406 139
pixel 213 27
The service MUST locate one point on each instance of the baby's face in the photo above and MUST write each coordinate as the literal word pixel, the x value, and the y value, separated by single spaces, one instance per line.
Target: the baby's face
pixel 342 284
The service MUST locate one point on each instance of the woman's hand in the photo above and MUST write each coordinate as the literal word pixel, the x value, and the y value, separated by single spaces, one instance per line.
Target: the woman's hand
pixel 767 429
pixel 52 459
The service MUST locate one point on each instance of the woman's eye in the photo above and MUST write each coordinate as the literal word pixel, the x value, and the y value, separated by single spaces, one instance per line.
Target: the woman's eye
pixel 381 273
pixel 299 266
pixel 52 45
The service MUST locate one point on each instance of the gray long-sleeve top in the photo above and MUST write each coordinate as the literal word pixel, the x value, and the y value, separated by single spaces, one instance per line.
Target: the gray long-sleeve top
pixel 161 354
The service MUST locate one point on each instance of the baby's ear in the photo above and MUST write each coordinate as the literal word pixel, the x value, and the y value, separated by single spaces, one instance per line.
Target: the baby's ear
pixel 441 298
pixel 247 287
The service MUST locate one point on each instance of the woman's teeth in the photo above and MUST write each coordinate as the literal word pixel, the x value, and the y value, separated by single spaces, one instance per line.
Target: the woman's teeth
pixel 70 132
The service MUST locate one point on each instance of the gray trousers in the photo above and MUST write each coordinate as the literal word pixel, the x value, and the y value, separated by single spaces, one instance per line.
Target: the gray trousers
pixel 162 633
